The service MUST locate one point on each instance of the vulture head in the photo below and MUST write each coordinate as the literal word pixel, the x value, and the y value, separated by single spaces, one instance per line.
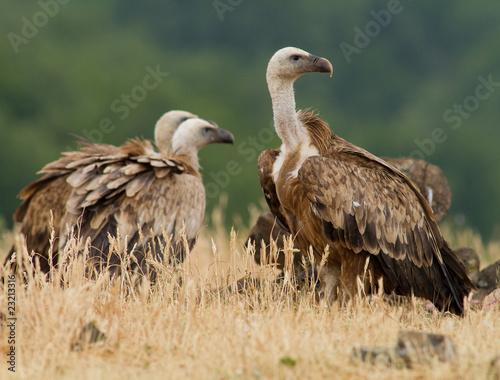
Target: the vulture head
pixel 194 134
pixel 285 66
pixel 166 127
pixel 290 63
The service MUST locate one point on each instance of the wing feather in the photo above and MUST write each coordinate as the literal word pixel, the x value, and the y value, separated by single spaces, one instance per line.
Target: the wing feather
pixel 138 183
pixel 350 195
pixel 381 212
pixel 43 206
pixel 121 195
pixel 133 168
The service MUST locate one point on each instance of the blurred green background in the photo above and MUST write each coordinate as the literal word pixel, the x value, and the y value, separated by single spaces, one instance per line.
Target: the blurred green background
pixel 411 78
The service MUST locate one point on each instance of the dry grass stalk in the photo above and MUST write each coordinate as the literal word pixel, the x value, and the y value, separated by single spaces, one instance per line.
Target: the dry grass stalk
pixel 192 323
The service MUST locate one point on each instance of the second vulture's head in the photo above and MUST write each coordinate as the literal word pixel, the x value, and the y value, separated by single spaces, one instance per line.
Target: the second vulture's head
pixel 194 134
pixel 166 127
pixel 290 63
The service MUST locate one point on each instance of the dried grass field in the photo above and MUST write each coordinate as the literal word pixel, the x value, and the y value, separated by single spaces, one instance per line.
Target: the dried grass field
pixel 191 324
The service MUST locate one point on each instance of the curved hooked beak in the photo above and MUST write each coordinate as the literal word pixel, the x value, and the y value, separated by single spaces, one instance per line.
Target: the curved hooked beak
pixel 222 136
pixel 321 65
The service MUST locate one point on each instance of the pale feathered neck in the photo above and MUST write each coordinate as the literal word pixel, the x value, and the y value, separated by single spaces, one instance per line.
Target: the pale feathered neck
pixel 189 155
pixel 286 122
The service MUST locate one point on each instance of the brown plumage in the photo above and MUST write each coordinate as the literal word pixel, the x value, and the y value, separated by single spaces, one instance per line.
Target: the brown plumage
pixel 141 196
pixel 431 181
pixel 42 209
pixel 51 192
pixel 429 178
pixel 489 277
pixel 335 197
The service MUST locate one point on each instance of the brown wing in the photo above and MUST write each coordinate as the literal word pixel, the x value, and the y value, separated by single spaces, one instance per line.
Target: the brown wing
pixel 51 192
pixel 368 206
pixel 131 196
pixel 46 195
pixel 265 166
pixel 40 198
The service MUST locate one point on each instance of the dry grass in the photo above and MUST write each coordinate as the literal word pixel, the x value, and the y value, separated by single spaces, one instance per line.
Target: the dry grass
pixel 190 325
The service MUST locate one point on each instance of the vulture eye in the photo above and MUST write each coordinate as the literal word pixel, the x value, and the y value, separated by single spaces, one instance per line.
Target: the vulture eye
pixel 295 57
pixel 207 130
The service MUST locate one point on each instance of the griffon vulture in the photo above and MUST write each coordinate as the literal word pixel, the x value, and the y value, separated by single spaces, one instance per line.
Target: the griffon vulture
pixel 141 197
pixel 429 178
pixel 51 192
pixel 339 199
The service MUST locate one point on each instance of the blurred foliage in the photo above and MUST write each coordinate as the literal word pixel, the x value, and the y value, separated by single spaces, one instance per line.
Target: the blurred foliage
pixel 84 56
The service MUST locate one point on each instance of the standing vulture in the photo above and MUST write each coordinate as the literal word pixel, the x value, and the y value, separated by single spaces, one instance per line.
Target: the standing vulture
pixel 140 196
pixel 336 198
pixel 51 192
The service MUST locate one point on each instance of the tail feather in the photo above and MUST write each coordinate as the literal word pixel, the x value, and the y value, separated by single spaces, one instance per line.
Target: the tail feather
pixel 457 277
pixel 446 283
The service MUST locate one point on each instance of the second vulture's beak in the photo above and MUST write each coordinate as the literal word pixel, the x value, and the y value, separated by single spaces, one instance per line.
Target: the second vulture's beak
pixel 321 65
pixel 222 136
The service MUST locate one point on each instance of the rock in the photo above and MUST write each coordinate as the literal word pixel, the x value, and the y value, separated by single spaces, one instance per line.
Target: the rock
pixel 494 369
pixel 478 297
pixel 90 334
pixel 429 306
pixel 374 355
pixel 413 348
pixel 492 301
pixel 416 347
